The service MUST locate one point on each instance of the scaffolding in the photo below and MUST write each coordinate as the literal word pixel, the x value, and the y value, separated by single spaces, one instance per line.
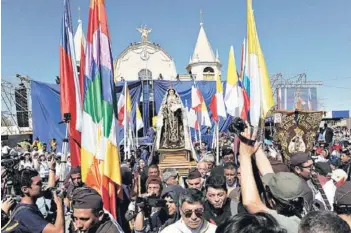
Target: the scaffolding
pixel 10 108
pixel 298 81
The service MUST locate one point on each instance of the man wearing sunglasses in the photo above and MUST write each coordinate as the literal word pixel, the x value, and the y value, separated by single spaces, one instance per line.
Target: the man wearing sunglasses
pixel 302 164
pixel 192 215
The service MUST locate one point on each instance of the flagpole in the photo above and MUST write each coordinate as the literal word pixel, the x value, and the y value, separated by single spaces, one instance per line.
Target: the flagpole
pixel 186 105
pixel 200 134
pixel 136 134
pixel 195 135
pixel 217 142
pixel 130 140
pixel 125 121
pixel 213 140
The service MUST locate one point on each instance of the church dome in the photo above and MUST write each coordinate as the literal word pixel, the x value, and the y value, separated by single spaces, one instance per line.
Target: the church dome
pixel 144 60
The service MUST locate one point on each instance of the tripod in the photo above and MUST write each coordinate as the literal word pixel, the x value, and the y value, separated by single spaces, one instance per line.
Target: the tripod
pixel 66 120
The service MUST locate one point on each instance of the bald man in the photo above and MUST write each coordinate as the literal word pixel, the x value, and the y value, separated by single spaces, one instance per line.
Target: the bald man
pixel 202 166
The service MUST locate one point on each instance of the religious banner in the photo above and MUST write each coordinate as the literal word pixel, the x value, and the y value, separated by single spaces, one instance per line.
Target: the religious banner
pixel 296 131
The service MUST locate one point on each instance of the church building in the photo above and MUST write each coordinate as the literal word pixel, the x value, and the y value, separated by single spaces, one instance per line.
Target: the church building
pixel 146 60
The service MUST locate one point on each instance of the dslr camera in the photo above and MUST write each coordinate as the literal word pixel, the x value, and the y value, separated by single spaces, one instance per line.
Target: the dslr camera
pixel 237 126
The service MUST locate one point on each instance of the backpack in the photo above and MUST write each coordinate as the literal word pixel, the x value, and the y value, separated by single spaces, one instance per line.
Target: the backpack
pixel 13 226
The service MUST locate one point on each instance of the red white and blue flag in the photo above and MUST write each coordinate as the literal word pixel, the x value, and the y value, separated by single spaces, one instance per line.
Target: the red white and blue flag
pixel 70 97
pixel 244 83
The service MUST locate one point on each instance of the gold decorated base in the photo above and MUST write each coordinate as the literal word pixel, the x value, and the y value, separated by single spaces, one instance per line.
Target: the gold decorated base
pixel 179 159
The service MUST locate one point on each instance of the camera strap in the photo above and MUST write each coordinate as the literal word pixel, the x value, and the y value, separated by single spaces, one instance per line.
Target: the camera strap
pixel 246 140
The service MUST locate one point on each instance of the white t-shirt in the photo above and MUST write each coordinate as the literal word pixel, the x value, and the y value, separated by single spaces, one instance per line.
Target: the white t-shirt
pixel 44 169
pixel 23 165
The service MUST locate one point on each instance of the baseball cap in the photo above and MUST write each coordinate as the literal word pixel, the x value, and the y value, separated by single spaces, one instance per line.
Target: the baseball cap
pixel 343 194
pixel 299 158
pixel 284 186
pixel 323 168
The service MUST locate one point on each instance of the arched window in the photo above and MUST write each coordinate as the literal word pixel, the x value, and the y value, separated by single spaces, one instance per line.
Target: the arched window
pixel 145 74
pixel 208 70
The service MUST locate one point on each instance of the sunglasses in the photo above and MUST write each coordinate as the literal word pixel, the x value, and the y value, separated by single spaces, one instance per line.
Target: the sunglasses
pixel 198 212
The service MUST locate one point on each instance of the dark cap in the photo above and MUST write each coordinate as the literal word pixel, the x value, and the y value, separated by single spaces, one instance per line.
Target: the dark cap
pixel 153 180
pixel 343 194
pixel 299 158
pixel 86 198
pixel 194 174
pixel 323 168
pixel 284 186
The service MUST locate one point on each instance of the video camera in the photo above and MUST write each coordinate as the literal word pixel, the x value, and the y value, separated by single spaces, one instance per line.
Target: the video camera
pixel 148 202
pixel 11 163
pixel 48 192
pixel 145 204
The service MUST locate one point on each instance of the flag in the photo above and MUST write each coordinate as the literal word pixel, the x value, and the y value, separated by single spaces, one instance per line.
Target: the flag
pixel 244 77
pixel 196 99
pixel 100 162
pixel 199 106
pixel 79 43
pixel 205 118
pixel 192 119
pixel 261 96
pixel 233 93
pixel 217 103
pixel 139 119
pixel 121 109
pixel 70 98
pixel 244 83
pixel 124 106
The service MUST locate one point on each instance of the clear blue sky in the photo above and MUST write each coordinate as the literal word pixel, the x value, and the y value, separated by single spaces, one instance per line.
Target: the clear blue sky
pixel 296 36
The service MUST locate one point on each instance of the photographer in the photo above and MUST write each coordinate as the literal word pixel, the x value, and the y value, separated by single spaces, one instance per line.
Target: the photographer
pixel 285 190
pixel 29 185
pixel 166 215
pixel 146 212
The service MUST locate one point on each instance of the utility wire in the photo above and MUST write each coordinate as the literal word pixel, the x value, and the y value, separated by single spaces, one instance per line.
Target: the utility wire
pixel 346 88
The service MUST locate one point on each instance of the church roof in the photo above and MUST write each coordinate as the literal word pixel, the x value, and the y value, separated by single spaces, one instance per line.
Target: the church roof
pixel 203 51
pixel 139 45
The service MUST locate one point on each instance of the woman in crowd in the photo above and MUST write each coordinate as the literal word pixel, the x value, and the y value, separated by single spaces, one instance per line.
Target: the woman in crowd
pixel 27 163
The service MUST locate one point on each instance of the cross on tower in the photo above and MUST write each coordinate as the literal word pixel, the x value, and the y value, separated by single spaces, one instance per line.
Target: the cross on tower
pixel 78 12
pixel 201 17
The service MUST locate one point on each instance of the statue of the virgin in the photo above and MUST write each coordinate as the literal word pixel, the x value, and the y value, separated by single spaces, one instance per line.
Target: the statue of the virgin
pixel 172 129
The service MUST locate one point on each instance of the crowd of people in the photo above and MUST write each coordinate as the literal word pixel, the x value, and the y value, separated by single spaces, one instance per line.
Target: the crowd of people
pixel 252 189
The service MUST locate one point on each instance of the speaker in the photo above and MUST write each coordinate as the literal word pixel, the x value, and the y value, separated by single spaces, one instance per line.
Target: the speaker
pixel 22 107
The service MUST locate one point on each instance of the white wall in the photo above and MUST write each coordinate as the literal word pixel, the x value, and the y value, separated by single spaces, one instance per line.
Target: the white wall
pixel 129 65
pixel 197 70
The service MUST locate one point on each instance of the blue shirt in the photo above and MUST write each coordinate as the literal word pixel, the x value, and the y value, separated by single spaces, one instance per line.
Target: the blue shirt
pixel 30 219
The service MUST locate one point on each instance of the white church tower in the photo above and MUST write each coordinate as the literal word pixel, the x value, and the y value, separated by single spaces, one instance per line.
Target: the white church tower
pixel 203 64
